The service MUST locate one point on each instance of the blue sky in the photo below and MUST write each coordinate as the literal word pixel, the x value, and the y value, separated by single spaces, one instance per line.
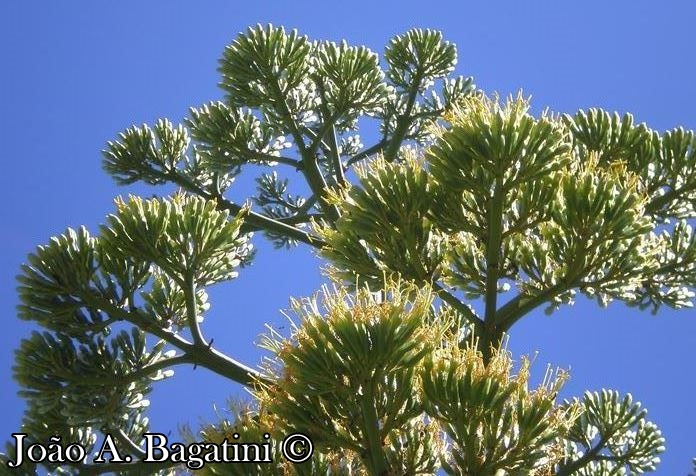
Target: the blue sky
pixel 77 73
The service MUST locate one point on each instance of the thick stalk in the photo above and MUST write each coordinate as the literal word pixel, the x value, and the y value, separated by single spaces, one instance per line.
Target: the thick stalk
pixel 491 333
pixel 376 461
pixel 517 307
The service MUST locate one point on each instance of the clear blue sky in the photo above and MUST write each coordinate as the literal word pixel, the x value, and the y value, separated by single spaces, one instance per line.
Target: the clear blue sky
pixel 74 74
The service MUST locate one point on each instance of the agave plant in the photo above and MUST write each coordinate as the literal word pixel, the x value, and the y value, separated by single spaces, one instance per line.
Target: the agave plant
pixel 400 365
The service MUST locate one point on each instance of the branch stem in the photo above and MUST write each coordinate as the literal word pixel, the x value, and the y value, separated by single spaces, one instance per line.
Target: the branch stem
pixel 309 166
pixel 191 312
pixel 592 454
pixel 375 149
pixel 403 121
pixel 200 354
pixel 336 158
pixel 125 440
pixel 252 221
pixel 459 306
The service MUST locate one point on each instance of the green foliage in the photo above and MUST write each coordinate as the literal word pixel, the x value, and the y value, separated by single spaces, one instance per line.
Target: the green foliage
pixel 82 378
pixel 494 422
pixel 264 58
pixel 420 54
pixel 416 59
pixel 250 424
pixel 383 227
pixel 185 237
pixel 146 154
pixel 226 137
pixel 402 367
pixel 285 92
pixel 91 384
pixel 348 373
pixel 50 283
pixel 664 162
pixel 367 363
pixel 611 436
pixel 349 82
pixel 557 217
